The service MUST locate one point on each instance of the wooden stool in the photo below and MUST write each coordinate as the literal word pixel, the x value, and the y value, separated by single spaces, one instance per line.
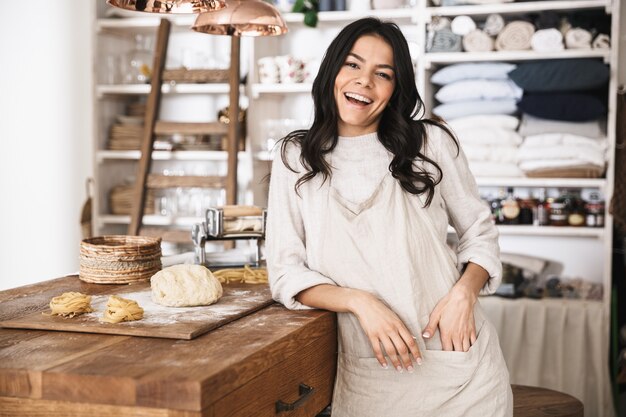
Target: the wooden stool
pixel 539 402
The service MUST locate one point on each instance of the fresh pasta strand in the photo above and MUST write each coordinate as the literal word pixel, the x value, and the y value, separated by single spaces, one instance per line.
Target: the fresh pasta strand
pixel 245 275
pixel 121 309
pixel 70 304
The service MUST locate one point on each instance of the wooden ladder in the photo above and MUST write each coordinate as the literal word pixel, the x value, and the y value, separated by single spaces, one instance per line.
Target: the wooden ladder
pixel 153 127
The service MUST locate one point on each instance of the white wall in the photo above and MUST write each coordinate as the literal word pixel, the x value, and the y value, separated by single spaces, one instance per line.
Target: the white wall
pixel 45 136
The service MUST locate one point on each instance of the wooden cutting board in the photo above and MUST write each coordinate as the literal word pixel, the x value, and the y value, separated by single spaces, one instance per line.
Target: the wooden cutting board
pixel 163 322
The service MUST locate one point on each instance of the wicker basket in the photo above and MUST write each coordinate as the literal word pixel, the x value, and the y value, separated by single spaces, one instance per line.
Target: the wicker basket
pixel 119 259
pixel 574 172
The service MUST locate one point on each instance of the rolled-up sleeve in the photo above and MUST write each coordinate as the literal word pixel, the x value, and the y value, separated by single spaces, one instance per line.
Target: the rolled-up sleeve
pixel 468 214
pixel 285 248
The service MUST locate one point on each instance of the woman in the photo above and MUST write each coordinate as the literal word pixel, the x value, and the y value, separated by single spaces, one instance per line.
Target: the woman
pixel 358 212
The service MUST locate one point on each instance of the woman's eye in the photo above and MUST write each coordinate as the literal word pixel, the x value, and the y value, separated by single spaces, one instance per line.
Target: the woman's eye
pixel 351 65
pixel 384 75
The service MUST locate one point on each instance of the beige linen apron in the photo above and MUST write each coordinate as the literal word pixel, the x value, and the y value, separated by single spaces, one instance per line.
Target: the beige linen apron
pixel 388 246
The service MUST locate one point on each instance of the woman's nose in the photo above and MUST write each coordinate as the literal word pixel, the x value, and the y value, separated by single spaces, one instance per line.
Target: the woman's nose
pixel 363 79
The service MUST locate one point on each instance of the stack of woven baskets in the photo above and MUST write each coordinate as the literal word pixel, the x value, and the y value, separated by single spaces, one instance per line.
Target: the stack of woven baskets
pixel 119 259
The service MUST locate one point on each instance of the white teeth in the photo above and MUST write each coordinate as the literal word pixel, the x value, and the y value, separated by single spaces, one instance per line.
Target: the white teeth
pixel 359 97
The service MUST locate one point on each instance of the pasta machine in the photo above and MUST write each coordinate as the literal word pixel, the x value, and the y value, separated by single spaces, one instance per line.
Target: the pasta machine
pixel 229 223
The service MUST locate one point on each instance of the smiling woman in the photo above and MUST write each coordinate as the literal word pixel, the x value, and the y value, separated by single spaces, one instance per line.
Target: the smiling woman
pixel 358 212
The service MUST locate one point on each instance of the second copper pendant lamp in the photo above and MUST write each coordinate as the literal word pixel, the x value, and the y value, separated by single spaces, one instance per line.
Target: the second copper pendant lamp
pixel 242 18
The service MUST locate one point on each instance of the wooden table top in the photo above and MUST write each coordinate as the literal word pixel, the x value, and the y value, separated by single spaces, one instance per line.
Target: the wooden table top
pixel 105 375
pixel 142 371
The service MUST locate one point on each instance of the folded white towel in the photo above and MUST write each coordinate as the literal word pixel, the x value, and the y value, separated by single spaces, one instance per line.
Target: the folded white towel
pixel 503 121
pixel 578 38
pixel 488 136
pixel 547 40
pixel 467 90
pixel 462 25
pixel 495 169
pixel 565 139
pixel 581 153
pixel 494 153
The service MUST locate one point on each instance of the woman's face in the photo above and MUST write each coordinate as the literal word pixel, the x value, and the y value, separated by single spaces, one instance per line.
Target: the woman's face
pixel 364 86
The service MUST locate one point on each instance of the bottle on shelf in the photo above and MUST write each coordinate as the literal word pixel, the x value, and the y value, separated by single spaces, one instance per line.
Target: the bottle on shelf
pixel 496 207
pixel 541 215
pixel 574 208
pixel 594 211
pixel 510 208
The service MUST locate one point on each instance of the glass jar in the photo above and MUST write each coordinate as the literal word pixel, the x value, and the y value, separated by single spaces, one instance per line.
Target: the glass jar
pixel 558 214
pixel 138 62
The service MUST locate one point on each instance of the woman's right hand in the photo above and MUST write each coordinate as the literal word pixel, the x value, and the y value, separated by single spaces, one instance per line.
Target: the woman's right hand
pixel 384 328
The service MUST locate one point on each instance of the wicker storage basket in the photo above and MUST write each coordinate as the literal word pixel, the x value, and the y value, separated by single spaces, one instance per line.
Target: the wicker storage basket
pixel 119 259
pixel 575 172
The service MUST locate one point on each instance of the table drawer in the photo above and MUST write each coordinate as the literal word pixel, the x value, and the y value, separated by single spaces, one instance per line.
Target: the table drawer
pixel 313 366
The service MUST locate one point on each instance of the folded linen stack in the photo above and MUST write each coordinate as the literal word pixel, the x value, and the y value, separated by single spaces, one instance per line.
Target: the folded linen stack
pixel 490 144
pixel 475 89
pixel 562 117
pixel 562 155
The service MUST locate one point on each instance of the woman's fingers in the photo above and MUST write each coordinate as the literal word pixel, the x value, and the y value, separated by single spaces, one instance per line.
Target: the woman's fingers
pixel 390 349
pixel 378 352
pixel 403 352
pixel 410 342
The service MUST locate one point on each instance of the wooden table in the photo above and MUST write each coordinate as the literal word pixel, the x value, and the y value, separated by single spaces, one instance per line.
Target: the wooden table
pixel 241 369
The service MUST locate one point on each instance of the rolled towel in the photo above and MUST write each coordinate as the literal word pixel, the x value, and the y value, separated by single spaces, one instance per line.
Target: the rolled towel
pixel 602 41
pixel 438 23
pixel 547 40
pixel 445 41
pixel 494 24
pixel 478 41
pixel 578 38
pixel 462 25
pixel 515 36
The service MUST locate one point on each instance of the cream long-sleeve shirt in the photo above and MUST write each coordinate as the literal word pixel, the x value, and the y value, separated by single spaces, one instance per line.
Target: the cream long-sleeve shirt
pixel 359 163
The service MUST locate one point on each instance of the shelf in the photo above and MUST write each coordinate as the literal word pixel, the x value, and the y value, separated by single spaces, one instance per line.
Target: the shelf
pixel 348 16
pixel 521 7
pixel 454 57
pixel 296 88
pixel 542 182
pixel 152 220
pixel 167 155
pixel 547 231
pixel 552 231
pixel 131 89
pixel 143 21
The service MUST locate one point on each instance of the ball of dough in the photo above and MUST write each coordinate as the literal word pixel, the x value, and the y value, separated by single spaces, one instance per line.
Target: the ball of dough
pixel 184 286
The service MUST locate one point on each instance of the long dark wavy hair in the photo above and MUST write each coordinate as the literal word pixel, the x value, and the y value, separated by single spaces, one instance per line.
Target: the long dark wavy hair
pixel 398 131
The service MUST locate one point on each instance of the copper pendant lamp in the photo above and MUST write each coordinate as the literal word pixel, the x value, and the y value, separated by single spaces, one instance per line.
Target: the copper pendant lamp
pixel 169 6
pixel 242 18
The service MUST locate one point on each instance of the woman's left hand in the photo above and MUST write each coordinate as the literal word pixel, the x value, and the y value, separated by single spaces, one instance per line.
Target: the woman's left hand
pixel 454 314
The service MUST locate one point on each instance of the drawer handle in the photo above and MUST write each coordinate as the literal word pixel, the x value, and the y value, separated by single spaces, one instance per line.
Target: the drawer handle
pixel 305 393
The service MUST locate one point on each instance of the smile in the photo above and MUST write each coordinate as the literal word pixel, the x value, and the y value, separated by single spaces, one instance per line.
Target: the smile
pixel 358 99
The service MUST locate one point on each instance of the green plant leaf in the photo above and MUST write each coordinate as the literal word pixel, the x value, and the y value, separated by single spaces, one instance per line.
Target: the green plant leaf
pixel 298 6
pixel 310 18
